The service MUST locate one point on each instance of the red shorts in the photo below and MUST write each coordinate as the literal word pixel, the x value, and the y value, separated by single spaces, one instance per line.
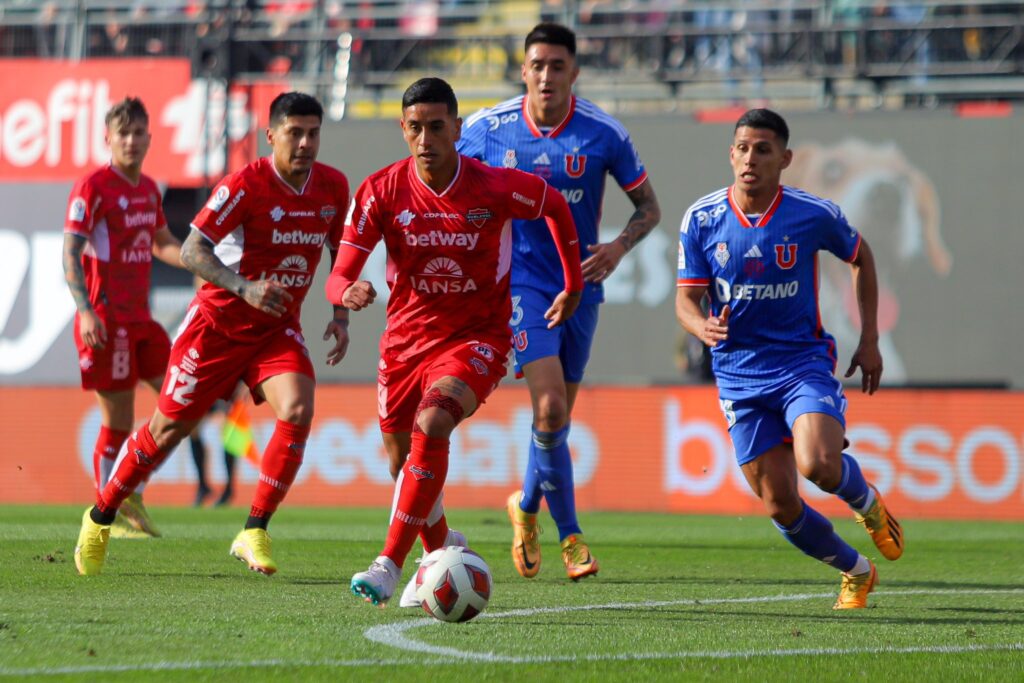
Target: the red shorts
pixel 401 384
pixel 206 366
pixel 133 351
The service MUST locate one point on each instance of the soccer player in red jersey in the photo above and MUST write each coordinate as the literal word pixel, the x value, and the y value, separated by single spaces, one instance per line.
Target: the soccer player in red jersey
pixel 257 243
pixel 446 222
pixel 115 226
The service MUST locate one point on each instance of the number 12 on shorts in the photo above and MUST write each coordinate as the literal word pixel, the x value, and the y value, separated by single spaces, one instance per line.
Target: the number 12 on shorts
pixel 180 384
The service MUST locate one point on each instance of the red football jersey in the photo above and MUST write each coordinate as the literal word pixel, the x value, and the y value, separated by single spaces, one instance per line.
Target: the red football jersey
pixel 448 253
pixel 118 219
pixel 267 230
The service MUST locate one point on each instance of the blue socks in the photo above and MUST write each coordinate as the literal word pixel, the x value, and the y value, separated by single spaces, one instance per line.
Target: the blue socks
pixel 853 488
pixel 814 536
pixel 550 473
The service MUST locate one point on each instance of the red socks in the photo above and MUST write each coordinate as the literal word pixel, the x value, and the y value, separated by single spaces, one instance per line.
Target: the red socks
pixel 142 458
pixel 280 464
pixel 423 478
pixel 108 445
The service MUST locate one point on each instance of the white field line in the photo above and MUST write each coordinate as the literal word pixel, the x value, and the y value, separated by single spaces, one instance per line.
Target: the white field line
pixel 394 635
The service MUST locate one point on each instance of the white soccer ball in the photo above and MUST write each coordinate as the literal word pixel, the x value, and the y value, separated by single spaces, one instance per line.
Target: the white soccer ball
pixel 453 584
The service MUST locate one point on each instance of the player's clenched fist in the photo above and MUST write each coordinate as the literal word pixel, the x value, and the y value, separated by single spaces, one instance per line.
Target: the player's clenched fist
pixel 267 296
pixel 358 296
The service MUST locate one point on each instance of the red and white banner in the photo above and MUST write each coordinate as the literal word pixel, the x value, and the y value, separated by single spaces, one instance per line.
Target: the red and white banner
pixel 936 454
pixel 52 129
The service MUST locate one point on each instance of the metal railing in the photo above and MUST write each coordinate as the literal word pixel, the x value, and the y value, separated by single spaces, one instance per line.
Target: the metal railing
pixel 651 51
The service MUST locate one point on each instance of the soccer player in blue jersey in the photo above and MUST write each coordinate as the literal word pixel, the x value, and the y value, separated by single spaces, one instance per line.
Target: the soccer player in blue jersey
pixel 574 145
pixel 753 249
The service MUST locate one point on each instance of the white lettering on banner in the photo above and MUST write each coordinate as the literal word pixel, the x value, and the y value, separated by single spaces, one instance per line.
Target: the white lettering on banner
pixel 483 453
pixel 998 440
pixel 50 308
pixel 917 449
pixel 680 435
pixel 197 117
pixel 31 133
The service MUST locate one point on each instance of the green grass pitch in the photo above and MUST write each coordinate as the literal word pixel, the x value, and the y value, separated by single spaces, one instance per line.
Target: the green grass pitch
pixel 678 598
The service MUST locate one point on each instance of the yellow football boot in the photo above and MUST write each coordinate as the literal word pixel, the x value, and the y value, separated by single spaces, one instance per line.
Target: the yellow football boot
pixel 136 514
pixel 91 549
pixel 525 538
pixel 252 546
pixel 577 558
pixel 853 594
pixel 885 531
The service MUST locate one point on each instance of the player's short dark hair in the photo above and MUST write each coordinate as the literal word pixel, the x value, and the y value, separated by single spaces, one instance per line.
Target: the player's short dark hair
pixel 124 112
pixel 294 104
pixel 767 119
pixel 431 90
pixel 552 34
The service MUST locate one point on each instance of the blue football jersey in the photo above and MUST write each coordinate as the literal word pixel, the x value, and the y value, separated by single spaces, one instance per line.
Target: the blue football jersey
pixel 574 157
pixel 766 269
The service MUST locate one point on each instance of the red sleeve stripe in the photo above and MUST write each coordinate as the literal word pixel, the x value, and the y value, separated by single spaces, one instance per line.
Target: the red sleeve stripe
pixel 692 283
pixel 636 183
pixel 856 250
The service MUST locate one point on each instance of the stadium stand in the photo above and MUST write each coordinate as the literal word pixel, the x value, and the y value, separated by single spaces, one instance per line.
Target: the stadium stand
pixel 642 55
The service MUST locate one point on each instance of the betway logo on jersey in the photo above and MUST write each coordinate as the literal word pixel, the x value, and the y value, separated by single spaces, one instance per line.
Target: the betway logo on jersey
pixel 293 271
pixel 315 239
pixel 781 290
pixel 140 219
pixel 436 238
pixel 442 276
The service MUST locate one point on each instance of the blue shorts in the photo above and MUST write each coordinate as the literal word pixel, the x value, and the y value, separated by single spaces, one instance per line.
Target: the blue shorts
pixel 532 340
pixel 762 419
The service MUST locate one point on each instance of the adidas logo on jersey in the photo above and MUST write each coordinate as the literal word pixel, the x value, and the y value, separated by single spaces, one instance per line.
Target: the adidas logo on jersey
pixel 753 252
pixel 542 160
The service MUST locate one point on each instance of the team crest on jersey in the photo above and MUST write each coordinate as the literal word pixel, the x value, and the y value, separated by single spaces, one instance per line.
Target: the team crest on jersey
pixel 510 160
pixel 478 365
pixel 328 212
pixel 722 254
pixel 478 216
pixel 575 164
pixel 122 201
pixel 785 256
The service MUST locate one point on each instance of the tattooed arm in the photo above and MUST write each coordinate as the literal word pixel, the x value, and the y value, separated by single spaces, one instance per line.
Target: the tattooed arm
pixel 90 326
pixel 605 258
pixel 197 255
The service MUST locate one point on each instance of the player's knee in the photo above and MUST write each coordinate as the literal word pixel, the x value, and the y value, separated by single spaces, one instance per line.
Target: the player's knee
pixel 395 463
pixel 823 472
pixel 297 412
pixel 167 433
pixel 438 414
pixel 784 507
pixel 552 414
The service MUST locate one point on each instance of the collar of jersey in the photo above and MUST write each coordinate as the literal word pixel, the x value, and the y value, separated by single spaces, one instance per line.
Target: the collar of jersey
pixel 455 178
pixel 765 217
pixel 535 129
pixel 270 160
pixel 122 176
